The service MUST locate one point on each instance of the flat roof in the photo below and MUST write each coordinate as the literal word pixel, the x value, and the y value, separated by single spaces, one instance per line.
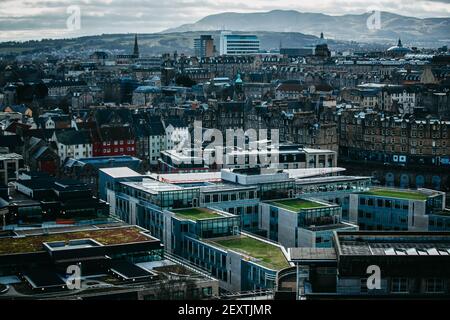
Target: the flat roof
pixel 330 179
pixel 130 271
pixel 297 204
pixel 153 186
pixel 399 194
pixel 314 172
pixel 225 186
pixel 197 214
pixel 393 243
pixel 43 279
pixel 264 253
pixel 187 177
pixel 331 227
pixel 109 236
pixel 121 172
pixel 312 254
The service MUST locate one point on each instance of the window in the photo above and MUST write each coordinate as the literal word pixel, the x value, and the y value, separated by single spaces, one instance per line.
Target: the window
pixel 434 286
pixel 399 285
pixel 363 285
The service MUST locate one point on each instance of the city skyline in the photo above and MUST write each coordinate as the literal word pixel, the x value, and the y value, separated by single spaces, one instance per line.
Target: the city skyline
pixel 160 151
pixel 34 20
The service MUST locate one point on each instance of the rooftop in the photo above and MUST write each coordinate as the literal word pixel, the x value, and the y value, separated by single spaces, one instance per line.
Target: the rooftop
pixel 269 255
pixel 312 254
pixel 9 156
pixel 197 214
pixel 297 204
pixel 187 177
pixel 123 172
pixel 400 194
pixel 110 236
pixel 153 186
pixel 393 243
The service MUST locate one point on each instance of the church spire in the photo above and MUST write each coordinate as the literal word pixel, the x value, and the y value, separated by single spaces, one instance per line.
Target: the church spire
pixel 136 46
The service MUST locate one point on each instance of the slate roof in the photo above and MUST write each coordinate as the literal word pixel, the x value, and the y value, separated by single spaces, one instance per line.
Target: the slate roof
pixel 113 116
pixel 116 133
pixel 176 122
pixel 18 108
pixel 69 138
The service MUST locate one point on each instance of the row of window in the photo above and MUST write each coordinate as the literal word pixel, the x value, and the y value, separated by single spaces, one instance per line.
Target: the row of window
pixel 121 142
pixel 382 203
pixel 224 197
pixel 118 150
pixel 402 285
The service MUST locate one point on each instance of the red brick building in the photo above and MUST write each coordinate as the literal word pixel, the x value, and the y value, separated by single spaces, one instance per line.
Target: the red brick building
pixel 114 141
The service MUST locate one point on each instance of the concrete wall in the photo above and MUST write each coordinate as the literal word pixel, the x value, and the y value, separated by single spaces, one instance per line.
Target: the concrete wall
pixel 417 219
pixel 287 224
pixel 264 216
pixel 234 266
pixel 353 208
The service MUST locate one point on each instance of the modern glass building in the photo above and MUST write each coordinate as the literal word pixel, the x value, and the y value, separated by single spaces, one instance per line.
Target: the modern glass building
pixel 236 44
pixel 414 265
pixel 204 46
pixel 212 240
pixel 199 217
pixel 399 210
pixel 302 222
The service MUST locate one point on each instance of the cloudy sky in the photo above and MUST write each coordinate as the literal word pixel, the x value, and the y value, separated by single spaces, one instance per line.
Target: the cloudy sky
pixel 36 19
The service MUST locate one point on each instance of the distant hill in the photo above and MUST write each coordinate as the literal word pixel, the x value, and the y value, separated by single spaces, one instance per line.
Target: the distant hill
pixel 429 32
pixel 183 42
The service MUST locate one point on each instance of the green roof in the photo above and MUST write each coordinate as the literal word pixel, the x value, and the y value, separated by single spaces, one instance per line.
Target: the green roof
pixel 34 243
pixel 400 194
pixel 297 204
pixel 197 214
pixel 269 255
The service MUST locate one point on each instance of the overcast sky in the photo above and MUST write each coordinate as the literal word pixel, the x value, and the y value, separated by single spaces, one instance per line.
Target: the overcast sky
pixel 36 19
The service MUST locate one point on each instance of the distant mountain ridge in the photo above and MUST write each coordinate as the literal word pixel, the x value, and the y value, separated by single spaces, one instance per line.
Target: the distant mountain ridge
pixel 346 27
pixel 159 43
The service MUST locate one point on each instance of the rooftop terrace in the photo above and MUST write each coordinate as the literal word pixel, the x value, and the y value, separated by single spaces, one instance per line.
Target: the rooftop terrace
pixel 112 236
pixel 400 194
pixel 197 214
pixel 268 255
pixel 297 204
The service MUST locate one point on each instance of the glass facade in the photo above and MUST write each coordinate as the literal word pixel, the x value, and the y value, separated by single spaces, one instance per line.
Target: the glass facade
pixel 376 213
pixel 319 217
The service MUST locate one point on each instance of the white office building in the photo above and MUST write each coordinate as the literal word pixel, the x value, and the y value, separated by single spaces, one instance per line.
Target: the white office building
pixel 237 44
